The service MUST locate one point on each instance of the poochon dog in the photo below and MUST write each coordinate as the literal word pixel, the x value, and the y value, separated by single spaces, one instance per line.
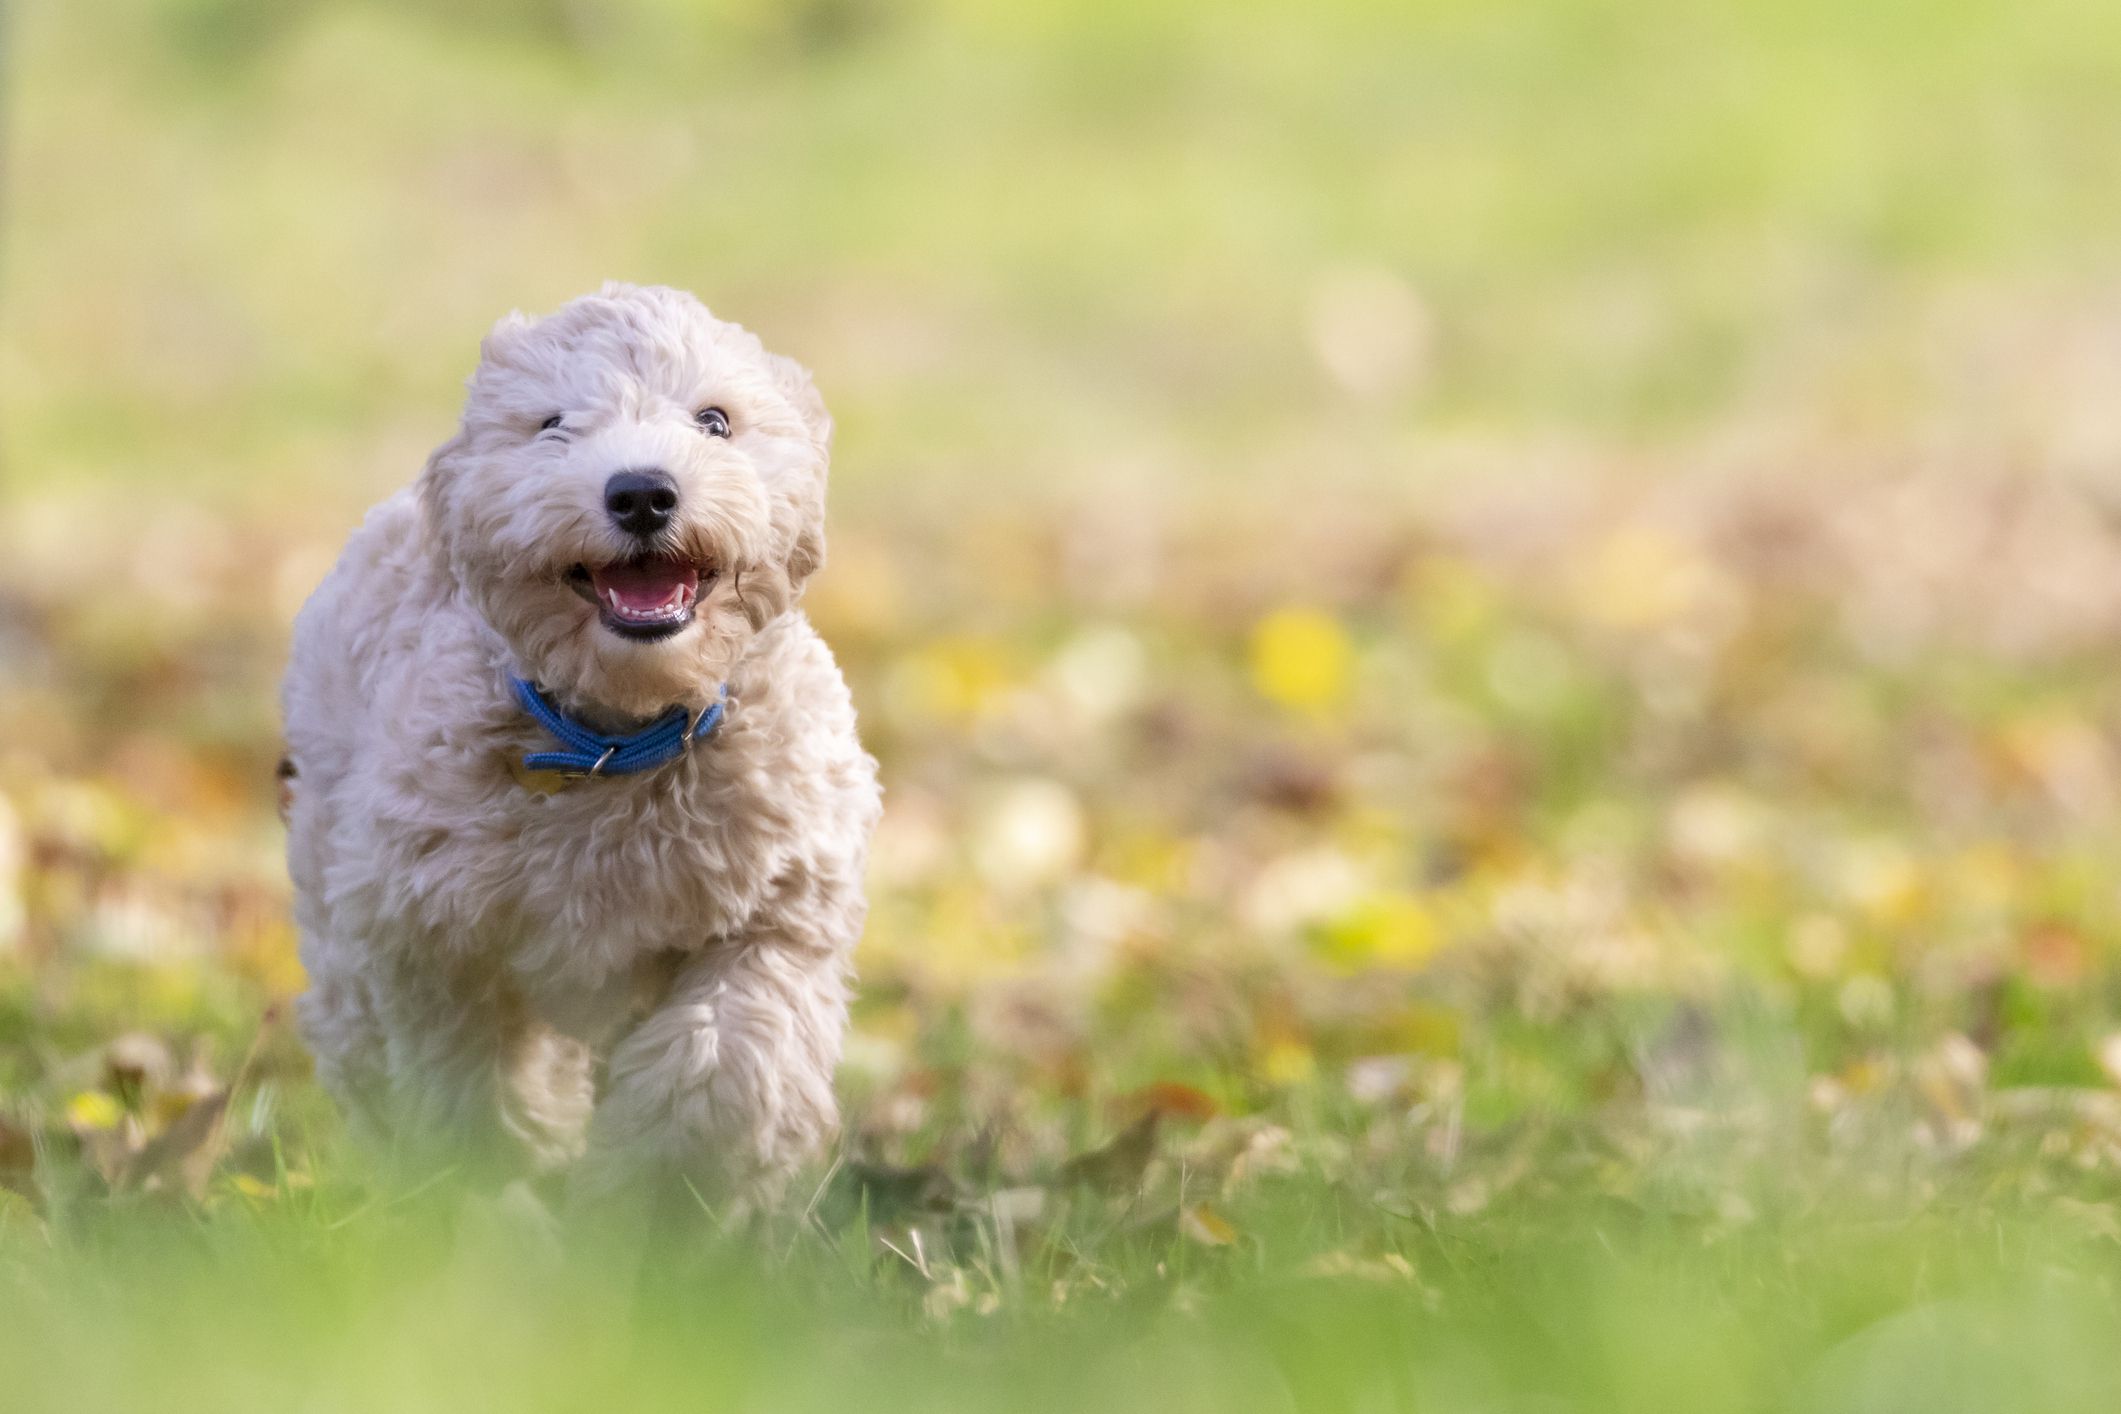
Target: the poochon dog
pixel 578 814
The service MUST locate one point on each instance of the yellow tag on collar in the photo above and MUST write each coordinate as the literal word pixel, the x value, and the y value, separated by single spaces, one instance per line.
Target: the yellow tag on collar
pixel 539 782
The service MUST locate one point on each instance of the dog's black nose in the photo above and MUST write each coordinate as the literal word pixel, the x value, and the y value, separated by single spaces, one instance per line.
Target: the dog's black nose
pixel 640 502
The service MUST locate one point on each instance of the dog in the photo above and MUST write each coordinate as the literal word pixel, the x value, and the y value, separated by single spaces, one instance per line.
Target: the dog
pixel 577 811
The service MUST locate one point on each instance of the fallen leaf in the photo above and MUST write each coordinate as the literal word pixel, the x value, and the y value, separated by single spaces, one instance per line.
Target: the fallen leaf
pixel 1173 1099
pixel 1301 659
pixel 182 1156
pixel 1206 1226
pixel 1385 930
pixel 1391 1267
pixel 1119 1165
pixel 1288 1062
pixel 256 1188
pixel 888 1194
pixel 93 1109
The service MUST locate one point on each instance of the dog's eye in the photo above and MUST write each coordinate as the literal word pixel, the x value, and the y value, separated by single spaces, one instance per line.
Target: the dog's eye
pixel 713 421
pixel 551 422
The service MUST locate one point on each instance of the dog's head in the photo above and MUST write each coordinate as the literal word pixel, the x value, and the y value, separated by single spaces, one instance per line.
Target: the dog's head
pixel 637 488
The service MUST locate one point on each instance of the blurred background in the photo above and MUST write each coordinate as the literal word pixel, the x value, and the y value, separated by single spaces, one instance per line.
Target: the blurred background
pixel 1533 562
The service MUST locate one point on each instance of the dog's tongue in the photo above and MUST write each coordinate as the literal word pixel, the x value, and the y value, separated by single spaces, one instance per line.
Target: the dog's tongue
pixel 646 584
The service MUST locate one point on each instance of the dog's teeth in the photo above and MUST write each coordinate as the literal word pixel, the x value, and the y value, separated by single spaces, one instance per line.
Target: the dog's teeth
pixel 675 607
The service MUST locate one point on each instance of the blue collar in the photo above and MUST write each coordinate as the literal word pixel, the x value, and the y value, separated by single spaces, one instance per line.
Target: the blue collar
pixel 592 753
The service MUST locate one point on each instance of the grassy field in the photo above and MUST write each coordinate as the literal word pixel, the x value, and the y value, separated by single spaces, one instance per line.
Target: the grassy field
pixel 1491 629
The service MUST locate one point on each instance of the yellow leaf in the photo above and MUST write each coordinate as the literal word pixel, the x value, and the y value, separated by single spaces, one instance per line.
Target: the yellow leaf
pixel 1382 930
pixel 92 1109
pixel 1301 659
pixel 1206 1226
pixel 1391 1267
pixel 1288 1063
pixel 257 1188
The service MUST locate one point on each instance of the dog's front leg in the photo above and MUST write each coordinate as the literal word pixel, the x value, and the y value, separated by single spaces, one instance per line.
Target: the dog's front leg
pixel 474 1078
pixel 727 1085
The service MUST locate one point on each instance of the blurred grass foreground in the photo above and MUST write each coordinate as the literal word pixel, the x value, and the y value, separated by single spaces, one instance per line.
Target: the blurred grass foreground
pixel 1492 629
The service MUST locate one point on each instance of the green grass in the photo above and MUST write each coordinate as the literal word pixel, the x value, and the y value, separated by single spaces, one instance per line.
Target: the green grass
pixel 1888 1295
pixel 1623 1206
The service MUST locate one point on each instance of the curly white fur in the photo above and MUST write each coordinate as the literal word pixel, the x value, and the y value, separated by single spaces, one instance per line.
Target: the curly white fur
pixel 476 950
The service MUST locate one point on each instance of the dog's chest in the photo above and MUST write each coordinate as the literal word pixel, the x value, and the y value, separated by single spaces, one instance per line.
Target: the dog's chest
pixel 609 871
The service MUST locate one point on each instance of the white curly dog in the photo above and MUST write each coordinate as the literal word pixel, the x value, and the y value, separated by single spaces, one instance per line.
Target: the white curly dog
pixel 578 814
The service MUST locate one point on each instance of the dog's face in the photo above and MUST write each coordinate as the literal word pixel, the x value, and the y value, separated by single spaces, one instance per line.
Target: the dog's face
pixel 636 489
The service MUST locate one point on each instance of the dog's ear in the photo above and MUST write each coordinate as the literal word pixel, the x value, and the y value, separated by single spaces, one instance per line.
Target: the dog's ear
pixel 505 346
pixel 806 546
pixel 793 382
pixel 796 490
pixel 433 489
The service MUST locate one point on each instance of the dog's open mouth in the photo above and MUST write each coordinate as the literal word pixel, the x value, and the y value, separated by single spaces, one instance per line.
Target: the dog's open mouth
pixel 644 599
